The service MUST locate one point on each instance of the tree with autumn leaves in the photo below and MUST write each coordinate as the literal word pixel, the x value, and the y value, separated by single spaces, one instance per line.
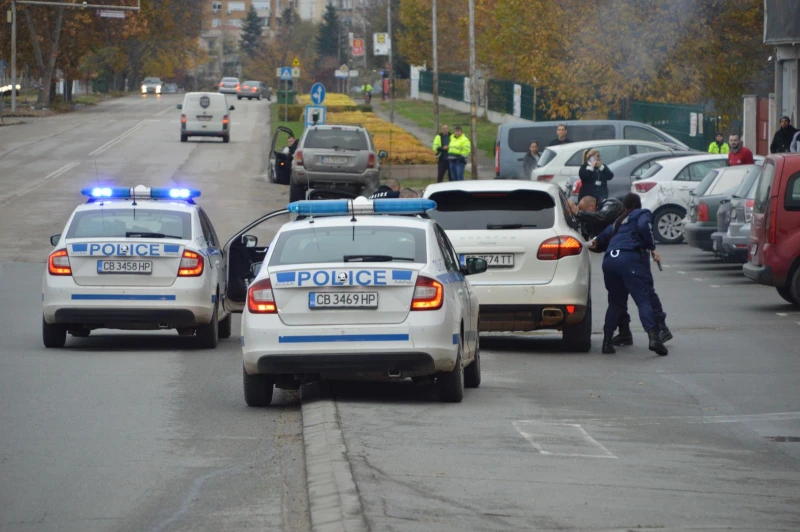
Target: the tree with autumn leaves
pixel 592 57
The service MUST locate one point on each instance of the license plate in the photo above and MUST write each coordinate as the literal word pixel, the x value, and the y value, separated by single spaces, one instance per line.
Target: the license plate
pixel 492 261
pixel 753 249
pixel 204 118
pixel 336 300
pixel 125 266
pixel 334 160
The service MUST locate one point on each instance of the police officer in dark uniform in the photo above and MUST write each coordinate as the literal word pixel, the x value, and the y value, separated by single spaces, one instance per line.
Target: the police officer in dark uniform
pixel 627 244
pixel 389 189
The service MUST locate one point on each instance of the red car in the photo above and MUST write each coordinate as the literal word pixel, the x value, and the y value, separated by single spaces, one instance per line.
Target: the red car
pixel 774 252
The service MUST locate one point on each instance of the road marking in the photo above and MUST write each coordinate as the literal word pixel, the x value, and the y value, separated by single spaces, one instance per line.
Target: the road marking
pixel 49 177
pixel 782 314
pixel 656 420
pixel 682 273
pixel 116 140
pixel 164 111
pixel 561 439
pixel 714 286
pixel 698 280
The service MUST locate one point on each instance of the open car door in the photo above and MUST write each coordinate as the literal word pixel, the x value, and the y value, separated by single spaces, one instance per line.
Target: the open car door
pixel 279 167
pixel 244 256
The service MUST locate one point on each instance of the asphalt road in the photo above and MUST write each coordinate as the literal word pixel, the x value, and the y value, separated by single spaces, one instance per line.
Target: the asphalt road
pixel 135 431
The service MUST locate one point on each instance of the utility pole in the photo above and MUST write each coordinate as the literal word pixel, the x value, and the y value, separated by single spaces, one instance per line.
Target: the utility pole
pixel 434 27
pixel 473 104
pixel 391 60
pixel 365 76
pixel 13 56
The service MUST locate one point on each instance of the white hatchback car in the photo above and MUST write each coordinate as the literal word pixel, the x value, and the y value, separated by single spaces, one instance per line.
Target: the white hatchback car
pixel 205 114
pixel 352 289
pixel 558 164
pixel 137 259
pixel 539 268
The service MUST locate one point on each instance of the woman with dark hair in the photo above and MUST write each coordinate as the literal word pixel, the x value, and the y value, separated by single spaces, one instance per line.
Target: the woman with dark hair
pixel 594 176
pixel 626 270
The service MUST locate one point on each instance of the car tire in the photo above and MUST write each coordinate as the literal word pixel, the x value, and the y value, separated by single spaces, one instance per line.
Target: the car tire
pixel 791 292
pixel 225 326
pixel 208 333
pixel 184 138
pixel 257 389
pixel 451 383
pixel 238 97
pixel 80 332
pixel 296 193
pixel 226 139
pixel 577 338
pixel 472 373
pixel 259 98
pixel 53 334
pixel 664 225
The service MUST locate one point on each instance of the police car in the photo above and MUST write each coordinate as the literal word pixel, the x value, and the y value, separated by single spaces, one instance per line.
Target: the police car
pixel 360 289
pixel 139 259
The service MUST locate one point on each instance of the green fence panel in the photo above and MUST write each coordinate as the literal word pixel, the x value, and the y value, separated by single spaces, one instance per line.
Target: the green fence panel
pixel 450 85
pixel 675 120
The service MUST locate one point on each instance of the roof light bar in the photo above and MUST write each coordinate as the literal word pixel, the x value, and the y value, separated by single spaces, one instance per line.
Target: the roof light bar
pixel 140 191
pixel 361 205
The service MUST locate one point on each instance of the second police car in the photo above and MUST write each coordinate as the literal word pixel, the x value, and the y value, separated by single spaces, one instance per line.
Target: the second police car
pixel 360 289
pixel 138 259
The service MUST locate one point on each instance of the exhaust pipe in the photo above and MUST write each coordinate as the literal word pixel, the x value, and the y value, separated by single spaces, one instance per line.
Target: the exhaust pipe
pixel 395 373
pixel 162 325
pixel 551 316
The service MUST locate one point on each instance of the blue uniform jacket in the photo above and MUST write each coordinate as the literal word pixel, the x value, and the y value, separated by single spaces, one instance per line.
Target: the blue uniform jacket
pixel 635 234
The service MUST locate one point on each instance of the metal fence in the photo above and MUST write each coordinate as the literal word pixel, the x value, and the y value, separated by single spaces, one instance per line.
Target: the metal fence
pixel 687 123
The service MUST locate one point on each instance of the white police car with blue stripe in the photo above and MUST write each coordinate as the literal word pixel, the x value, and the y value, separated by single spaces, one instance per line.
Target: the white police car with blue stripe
pixel 139 259
pixel 361 289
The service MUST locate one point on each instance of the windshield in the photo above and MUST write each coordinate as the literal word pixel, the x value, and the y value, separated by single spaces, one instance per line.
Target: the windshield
pixel 251 83
pixel 516 209
pixel 546 157
pixel 152 80
pixel 656 168
pixel 350 244
pixel 335 139
pixel 230 80
pixel 747 182
pixel 117 223
pixel 728 181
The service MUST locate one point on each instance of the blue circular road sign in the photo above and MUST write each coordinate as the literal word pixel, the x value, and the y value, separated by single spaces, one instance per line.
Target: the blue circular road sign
pixel 318 93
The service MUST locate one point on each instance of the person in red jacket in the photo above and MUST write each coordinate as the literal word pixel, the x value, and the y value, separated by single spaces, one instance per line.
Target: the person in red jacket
pixel 738 154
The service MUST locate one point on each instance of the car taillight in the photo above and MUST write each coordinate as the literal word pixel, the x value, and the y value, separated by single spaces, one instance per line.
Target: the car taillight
pixel 298 158
pixel 702 212
pixel 644 187
pixel 58 263
pixel 237 86
pixel 183 119
pixel 548 177
pixel 577 189
pixel 772 219
pixel 497 161
pixel 260 299
pixel 748 210
pixel 371 161
pixel 428 294
pixel 191 265
pixel 225 119
pixel 254 89
pixel 221 84
pixel 559 247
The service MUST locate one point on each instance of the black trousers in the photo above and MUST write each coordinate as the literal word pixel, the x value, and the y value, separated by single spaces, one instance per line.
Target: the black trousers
pixel 443 168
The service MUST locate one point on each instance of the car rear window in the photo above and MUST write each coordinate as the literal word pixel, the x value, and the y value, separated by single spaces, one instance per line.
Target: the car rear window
pixel 517 209
pixel 748 182
pixel 705 184
pixel 332 244
pixel 653 170
pixel 117 223
pixel 335 139
pixel 546 157
pixel 763 188
pixel 727 181
pixel 228 80
pixel 520 138
pixel 792 200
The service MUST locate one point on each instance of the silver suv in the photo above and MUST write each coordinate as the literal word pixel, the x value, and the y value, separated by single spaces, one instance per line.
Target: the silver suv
pixel 335 157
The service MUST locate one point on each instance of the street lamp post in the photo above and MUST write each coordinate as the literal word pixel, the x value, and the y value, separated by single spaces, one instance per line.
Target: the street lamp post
pixel 391 61
pixel 473 104
pixel 13 56
pixel 434 31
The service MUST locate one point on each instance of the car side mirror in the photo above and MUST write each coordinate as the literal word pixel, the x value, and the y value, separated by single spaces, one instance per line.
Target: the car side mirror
pixel 54 239
pixel 475 265
pixel 383 154
pixel 232 108
pixel 180 106
pixel 249 241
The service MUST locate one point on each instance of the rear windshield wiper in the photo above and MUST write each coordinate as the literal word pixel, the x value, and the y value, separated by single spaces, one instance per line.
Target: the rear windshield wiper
pixel 374 258
pixel 511 226
pixel 139 234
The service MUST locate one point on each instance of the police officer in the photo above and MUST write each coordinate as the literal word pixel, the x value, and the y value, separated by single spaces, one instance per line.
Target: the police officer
pixel 389 189
pixel 626 243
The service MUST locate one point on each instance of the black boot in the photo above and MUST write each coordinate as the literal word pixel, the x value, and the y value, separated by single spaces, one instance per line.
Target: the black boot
pixel 625 337
pixel 608 346
pixel 665 335
pixel 655 342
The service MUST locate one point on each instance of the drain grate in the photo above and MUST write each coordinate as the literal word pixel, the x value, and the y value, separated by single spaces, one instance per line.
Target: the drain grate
pixel 784 439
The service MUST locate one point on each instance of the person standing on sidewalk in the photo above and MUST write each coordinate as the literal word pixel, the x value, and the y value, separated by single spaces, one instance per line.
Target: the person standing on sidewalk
pixel 441 144
pixel 719 145
pixel 561 136
pixel 738 154
pixel 781 142
pixel 531 160
pixel 458 152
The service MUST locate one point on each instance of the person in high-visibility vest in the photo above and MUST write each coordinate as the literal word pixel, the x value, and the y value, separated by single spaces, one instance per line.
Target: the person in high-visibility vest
pixel 719 145
pixel 366 90
pixel 458 152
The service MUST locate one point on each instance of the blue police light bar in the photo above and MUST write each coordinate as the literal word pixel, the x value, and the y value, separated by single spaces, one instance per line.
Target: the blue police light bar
pixel 174 193
pixel 361 205
pixel 107 192
pixel 97 193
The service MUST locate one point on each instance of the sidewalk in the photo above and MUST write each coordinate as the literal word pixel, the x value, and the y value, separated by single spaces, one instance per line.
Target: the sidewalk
pixel 381 109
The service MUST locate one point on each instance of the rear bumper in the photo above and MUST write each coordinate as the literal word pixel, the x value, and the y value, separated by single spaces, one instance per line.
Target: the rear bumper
pixel 227 91
pixel 497 318
pixel 736 246
pixel 760 274
pixel 699 236
pixel 409 363
pixel 122 318
pixel 206 133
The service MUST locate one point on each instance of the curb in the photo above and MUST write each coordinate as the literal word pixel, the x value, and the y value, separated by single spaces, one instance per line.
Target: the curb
pixel 333 498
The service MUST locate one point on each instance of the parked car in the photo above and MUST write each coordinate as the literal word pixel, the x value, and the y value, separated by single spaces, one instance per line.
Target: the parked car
pixel 559 163
pixel 514 140
pixel 153 85
pixel 737 238
pixel 774 252
pixel 253 89
pixel 229 85
pixel 632 166
pixel 335 157
pixel 705 201
pixel 728 213
pixel 170 88
pixel 205 114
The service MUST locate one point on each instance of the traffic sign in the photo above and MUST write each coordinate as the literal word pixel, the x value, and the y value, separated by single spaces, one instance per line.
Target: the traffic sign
pixel 296 62
pixel 354 73
pixel 315 115
pixel 339 74
pixel 344 68
pixel 318 93
pixel 285 73
pixel 358 47
pixel 295 72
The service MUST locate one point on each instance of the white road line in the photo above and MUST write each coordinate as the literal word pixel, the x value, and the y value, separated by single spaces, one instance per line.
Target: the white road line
pixel 782 314
pixel 658 420
pixel 682 273
pixel 561 439
pixel 49 177
pixel 164 111
pixel 115 140
pixel 714 286
pixel 698 280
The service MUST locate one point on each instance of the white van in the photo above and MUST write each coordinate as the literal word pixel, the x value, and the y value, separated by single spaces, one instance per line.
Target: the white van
pixel 205 114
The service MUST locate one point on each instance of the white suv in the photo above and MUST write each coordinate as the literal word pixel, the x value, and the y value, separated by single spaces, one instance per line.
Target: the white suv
pixel 539 268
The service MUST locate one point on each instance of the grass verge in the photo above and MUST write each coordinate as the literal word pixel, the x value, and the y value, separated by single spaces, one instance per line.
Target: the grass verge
pixel 277 121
